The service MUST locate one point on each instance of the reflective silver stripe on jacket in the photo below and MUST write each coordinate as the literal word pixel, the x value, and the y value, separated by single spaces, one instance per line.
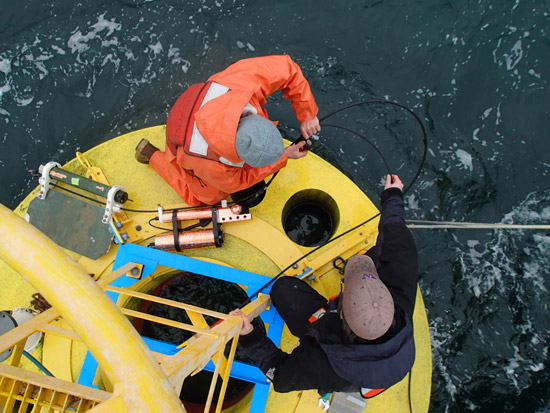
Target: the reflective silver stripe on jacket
pixel 198 145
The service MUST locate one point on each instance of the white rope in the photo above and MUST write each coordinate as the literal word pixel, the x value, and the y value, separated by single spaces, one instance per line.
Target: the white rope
pixel 469 225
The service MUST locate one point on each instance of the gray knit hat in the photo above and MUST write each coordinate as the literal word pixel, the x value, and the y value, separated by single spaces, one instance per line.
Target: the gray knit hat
pixel 367 303
pixel 258 141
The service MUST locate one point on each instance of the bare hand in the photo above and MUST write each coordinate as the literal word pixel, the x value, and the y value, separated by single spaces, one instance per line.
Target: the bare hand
pixel 310 127
pixel 296 151
pixel 393 181
pixel 247 326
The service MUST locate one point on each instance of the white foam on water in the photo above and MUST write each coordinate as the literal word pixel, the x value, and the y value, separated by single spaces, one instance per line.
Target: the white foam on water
pixel 465 159
pixel 537 367
pixel 110 58
pixel 510 369
pixel 156 48
pixel 103 24
pixel 439 339
pixel 412 202
pixel 58 49
pixel 5 65
pixel 498 119
pixel 511 272
pixel 515 56
pixel 78 42
pixel 176 59
pixel 534 74
pixel 42 69
pixel 23 101
pixel 486 113
pixel 474 134
pixel 4 89
pixel 111 42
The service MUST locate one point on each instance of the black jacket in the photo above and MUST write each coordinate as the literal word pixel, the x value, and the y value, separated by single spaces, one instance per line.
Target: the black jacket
pixel 324 360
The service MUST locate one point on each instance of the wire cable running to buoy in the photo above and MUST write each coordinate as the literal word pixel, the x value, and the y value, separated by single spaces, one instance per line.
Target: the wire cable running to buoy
pixel 421 224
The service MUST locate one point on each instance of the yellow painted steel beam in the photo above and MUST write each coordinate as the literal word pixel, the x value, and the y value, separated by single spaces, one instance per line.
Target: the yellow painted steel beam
pixel 21 332
pixel 115 275
pixel 199 352
pixel 257 306
pixel 166 301
pixel 197 319
pixel 218 363
pixel 201 349
pixel 119 349
pixel 225 372
pixel 167 322
pixel 59 331
pixel 53 384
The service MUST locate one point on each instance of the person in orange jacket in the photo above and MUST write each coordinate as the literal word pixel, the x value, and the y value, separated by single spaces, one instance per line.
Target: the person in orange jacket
pixel 219 139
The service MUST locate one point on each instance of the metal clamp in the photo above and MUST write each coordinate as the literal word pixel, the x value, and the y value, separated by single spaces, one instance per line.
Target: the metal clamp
pixel 45 180
pixel 111 206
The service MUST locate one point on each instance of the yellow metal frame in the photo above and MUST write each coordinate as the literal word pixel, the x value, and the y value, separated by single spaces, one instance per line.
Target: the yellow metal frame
pixel 140 380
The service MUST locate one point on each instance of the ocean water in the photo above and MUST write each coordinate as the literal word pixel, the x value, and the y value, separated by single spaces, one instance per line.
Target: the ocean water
pixel 75 74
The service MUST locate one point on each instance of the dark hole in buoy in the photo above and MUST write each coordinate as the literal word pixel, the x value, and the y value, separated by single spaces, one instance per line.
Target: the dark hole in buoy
pixel 310 218
pixel 204 292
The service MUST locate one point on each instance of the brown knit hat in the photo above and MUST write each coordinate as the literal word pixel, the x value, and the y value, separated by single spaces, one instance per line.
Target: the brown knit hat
pixel 367 303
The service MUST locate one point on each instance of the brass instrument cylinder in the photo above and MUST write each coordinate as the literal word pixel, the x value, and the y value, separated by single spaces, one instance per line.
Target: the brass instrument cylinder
pixel 187 215
pixel 187 240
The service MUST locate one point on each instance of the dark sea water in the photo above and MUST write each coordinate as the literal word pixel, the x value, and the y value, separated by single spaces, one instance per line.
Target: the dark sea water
pixel 75 74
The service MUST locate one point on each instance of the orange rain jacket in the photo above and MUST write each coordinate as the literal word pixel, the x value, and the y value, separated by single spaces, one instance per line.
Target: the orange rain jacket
pixel 204 181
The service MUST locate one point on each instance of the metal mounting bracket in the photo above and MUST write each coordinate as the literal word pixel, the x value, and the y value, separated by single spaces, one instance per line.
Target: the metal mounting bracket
pixel 111 206
pixel 45 180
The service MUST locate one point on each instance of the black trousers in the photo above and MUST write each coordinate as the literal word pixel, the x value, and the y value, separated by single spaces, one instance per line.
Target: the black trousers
pixel 296 301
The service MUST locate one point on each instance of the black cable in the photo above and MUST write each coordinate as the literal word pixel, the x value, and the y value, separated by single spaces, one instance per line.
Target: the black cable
pixel 154 226
pixel 267 284
pixel 386 102
pixel 410 400
pixel 147 211
pixel 366 140
pixel 97 201
pixel 78 194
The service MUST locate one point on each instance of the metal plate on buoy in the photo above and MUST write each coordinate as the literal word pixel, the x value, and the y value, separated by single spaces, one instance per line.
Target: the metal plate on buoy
pixel 6 324
pixel 72 223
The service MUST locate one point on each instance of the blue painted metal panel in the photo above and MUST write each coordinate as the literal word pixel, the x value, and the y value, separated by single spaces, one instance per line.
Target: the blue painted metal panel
pixel 151 258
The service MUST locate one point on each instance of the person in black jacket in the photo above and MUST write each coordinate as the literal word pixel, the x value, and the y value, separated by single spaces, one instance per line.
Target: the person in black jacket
pixel 361 339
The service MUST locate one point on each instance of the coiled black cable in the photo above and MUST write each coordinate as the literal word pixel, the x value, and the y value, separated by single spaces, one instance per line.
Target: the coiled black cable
pixel 384 102
pixel 421 165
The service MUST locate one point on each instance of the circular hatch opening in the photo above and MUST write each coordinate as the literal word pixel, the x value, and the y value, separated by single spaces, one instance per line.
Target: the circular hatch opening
pixel 310 217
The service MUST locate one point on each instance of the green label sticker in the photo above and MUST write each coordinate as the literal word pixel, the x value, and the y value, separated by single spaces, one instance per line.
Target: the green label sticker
pixel 75 181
